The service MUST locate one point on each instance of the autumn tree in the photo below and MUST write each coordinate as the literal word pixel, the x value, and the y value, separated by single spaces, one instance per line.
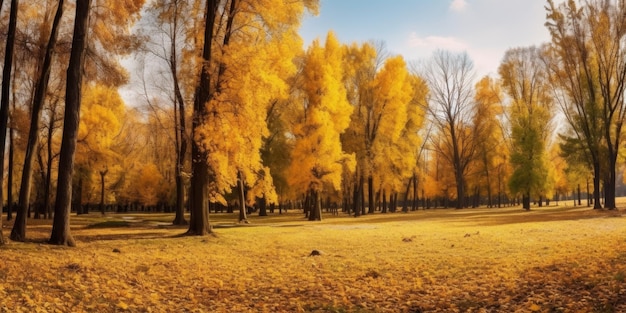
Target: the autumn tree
pixel 247 49
pixel 588 66
pixel 102 111
pixel 6 85
pixel 525 81
pixel 18 232
pixel 318 157
pixel 450 79
pixel 167 31
pixel 491 151
pixel 380 89
pixel 61 224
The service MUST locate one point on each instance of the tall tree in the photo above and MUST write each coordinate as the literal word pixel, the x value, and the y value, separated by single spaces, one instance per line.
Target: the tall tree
pixel 492 148
pixel 525 81
pixel 18 233
pixel 61 224
pixel 318 157
pixel 198 200
pixel 589 69
pixel 6 85
pixel 450 78
pixel 170 26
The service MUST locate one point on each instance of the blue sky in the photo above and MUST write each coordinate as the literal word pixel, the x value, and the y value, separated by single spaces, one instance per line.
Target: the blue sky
pixel 485 29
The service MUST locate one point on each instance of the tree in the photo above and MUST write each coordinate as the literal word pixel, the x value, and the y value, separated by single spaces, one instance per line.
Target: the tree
pixel 450 79
pixel 61 224
pixel 102 112
pixel 588 67
pixel 317 156
pixel 6 85
pixel 18 233
pixel 525 81
pixel 491 149
pixel 198 202
pixel 170 25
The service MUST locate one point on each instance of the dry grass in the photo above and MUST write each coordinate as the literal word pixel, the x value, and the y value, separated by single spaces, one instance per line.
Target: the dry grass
pixel 556 259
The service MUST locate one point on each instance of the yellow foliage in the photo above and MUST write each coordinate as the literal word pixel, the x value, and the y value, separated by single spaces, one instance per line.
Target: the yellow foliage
pixel 317 157
pixel 251 72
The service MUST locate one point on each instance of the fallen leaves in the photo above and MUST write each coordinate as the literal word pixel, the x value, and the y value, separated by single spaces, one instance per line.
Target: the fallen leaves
pixel 539 266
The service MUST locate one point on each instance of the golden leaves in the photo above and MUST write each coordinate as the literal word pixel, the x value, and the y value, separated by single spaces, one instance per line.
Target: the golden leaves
pixel 366 266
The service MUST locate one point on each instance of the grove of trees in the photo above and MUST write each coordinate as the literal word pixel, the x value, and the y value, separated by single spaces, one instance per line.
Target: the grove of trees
pixel 231 110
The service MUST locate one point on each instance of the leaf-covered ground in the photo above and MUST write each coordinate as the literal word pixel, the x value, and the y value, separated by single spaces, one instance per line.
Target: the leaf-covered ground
pixel 555 259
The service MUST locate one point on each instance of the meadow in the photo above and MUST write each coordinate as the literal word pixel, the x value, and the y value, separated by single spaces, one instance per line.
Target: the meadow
pixel 551 259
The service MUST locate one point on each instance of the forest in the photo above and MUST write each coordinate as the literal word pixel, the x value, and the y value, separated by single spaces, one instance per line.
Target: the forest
pixel 233 113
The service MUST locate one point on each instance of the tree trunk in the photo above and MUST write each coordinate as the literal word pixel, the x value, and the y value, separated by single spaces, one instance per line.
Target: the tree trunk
pixel 362 194
pixel 370 195
pixel 179 219
pixel 199 219
pixel 19 228
pixel 596 185
pixel 10 176
pixel 356 198
pixel 262 206
pixel 414 206
pixel 405 207
pixel 609 185
pixel 526 202
pixel 243 218
pixel 384 209
pixel 61 224
pixel 102 175
pixel 181 132
pixel 4 100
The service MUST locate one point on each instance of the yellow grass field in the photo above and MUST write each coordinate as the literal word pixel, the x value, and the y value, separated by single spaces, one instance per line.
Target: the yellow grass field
pixel 555 259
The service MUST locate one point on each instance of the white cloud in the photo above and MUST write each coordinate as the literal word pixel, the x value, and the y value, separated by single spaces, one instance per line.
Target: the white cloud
pixel 458 5
pixel 436 42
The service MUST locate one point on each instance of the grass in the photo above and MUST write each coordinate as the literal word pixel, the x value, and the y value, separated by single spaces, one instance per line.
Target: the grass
pixel 552 259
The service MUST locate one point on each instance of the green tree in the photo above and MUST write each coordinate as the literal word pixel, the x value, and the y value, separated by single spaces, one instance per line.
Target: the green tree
pixel 525 80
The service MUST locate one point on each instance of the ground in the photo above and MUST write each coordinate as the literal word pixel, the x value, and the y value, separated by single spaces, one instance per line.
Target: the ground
pixel 554 259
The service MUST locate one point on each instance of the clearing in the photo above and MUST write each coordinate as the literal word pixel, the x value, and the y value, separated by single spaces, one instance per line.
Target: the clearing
pixel 551 259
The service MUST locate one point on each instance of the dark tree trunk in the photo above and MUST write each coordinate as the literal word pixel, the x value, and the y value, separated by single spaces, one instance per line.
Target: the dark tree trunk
pixel 362 194
pixel 181 132
pixel 102 175
pixel 355 201
pixel 414 206
pixel 10 176
pixel 316 207
pixel 596 185
pixel 526 202
pixel 609 184
pixel 199 219
pixel 384 208
pixel 242 198
pixel 393 202
pixel 262 206
pixel 19 228
pixel 370 195
pixel 6 85
pixel 405 207
pixel 61 224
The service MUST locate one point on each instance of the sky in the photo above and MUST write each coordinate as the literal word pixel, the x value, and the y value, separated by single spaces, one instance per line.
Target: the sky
pixel 484 29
